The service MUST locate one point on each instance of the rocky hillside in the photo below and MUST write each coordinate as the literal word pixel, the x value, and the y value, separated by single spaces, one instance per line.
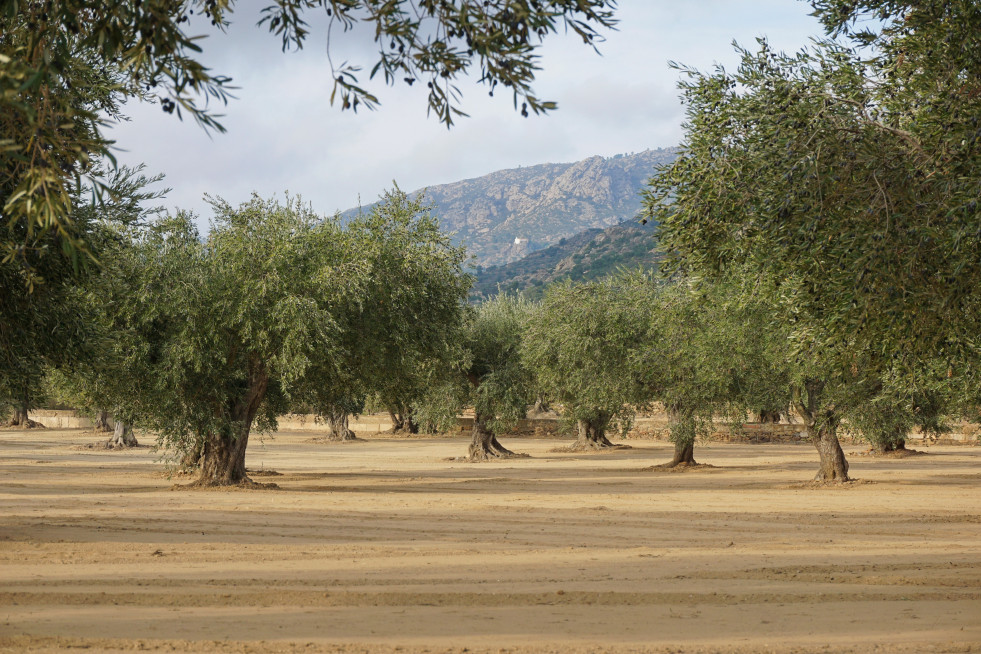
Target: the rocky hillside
pixel 506 215
pixel 589 255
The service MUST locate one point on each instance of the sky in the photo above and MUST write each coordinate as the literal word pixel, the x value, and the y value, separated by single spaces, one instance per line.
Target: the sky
pixel 283 136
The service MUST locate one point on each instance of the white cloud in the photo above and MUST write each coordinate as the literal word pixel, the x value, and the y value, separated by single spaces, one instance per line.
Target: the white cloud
pixel 282 133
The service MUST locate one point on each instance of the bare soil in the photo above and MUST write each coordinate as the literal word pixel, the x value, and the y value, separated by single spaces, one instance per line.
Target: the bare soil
pixel 384 546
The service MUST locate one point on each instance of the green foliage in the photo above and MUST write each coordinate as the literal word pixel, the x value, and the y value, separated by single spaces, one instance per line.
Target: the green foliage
pixel 217 332
pixel 849 180
pixel 54 322
pixel 584 341
pixel 276 308
pixel 711 353
pixel 500 383
pixel 402 335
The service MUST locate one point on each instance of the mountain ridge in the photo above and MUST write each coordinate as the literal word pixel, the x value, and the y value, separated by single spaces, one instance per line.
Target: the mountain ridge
pixel 507 214
pixel 587 256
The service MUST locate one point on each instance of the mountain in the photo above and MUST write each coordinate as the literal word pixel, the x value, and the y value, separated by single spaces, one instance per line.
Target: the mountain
pixel 589 255
pixel 505 215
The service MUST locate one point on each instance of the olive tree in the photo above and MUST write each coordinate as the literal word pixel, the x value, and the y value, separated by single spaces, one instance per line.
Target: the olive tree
pixel 46 317
pixel 404 330
pixel 581 344
pixel 224 329
pixel 499 382
pixel 845 178
pixel 710 354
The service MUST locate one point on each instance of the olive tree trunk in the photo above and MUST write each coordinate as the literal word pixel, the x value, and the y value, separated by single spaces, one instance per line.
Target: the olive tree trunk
pixel 898 445
pixel 682 425
pixel 484 444
pixel 122 436
pixel 542 406
pixel 821 425
pixel 102 422
pixel 893 440
pixel 337 426
pixel 592 434
pixel 20 417
pixel 403 422
pixel 684 455
pixel 223 452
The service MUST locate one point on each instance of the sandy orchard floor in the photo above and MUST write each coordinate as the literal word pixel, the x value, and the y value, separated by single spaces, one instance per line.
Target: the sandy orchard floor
pixel 385 546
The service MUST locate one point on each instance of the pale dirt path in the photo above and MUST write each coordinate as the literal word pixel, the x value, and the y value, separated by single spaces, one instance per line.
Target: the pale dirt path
pixel 385 546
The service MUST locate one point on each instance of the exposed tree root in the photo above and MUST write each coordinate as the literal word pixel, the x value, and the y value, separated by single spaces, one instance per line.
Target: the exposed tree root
pixel 243 484
pixel 25 424
pixel 845 483
pixel 900 453
pixel 490 456
pixel 592 446
pixel 680 466
pixel 264 473
pixel 113 445
pixel 350 437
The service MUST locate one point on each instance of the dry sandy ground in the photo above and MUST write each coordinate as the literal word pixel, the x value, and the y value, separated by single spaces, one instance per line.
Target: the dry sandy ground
pixel 385 546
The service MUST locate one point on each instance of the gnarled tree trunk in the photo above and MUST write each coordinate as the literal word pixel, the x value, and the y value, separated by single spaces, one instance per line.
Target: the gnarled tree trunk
pixel 20 417
pixel 541 406
pixel 893 440
pixel 337 426
pixel 884 447
pixel 592 434
pixel 223 453
pixel 684 455
pixel 484 444
pixel 821 423
pixel 102 422
pixel 682 425
pixel 122 436
pixel 191 458
pixel 402 421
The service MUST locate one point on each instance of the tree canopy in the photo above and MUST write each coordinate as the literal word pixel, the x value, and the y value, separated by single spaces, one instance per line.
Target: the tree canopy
pixel 583 345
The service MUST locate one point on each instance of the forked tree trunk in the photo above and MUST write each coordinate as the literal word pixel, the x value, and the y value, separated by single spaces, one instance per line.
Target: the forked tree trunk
pixel 102 422
pixel 122 436
pixel 821 424
pixel 223 453
pixel 337 426
pixel 402 421
pixel 893 440
pixel 886 446
pixel 484 444
pixel 898 445
pixel 592 434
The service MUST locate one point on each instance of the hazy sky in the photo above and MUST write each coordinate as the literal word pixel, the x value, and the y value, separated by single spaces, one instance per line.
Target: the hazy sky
pixel 283 135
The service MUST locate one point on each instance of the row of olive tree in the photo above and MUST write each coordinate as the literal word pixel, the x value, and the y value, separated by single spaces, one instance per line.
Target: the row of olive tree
pixel 708 351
